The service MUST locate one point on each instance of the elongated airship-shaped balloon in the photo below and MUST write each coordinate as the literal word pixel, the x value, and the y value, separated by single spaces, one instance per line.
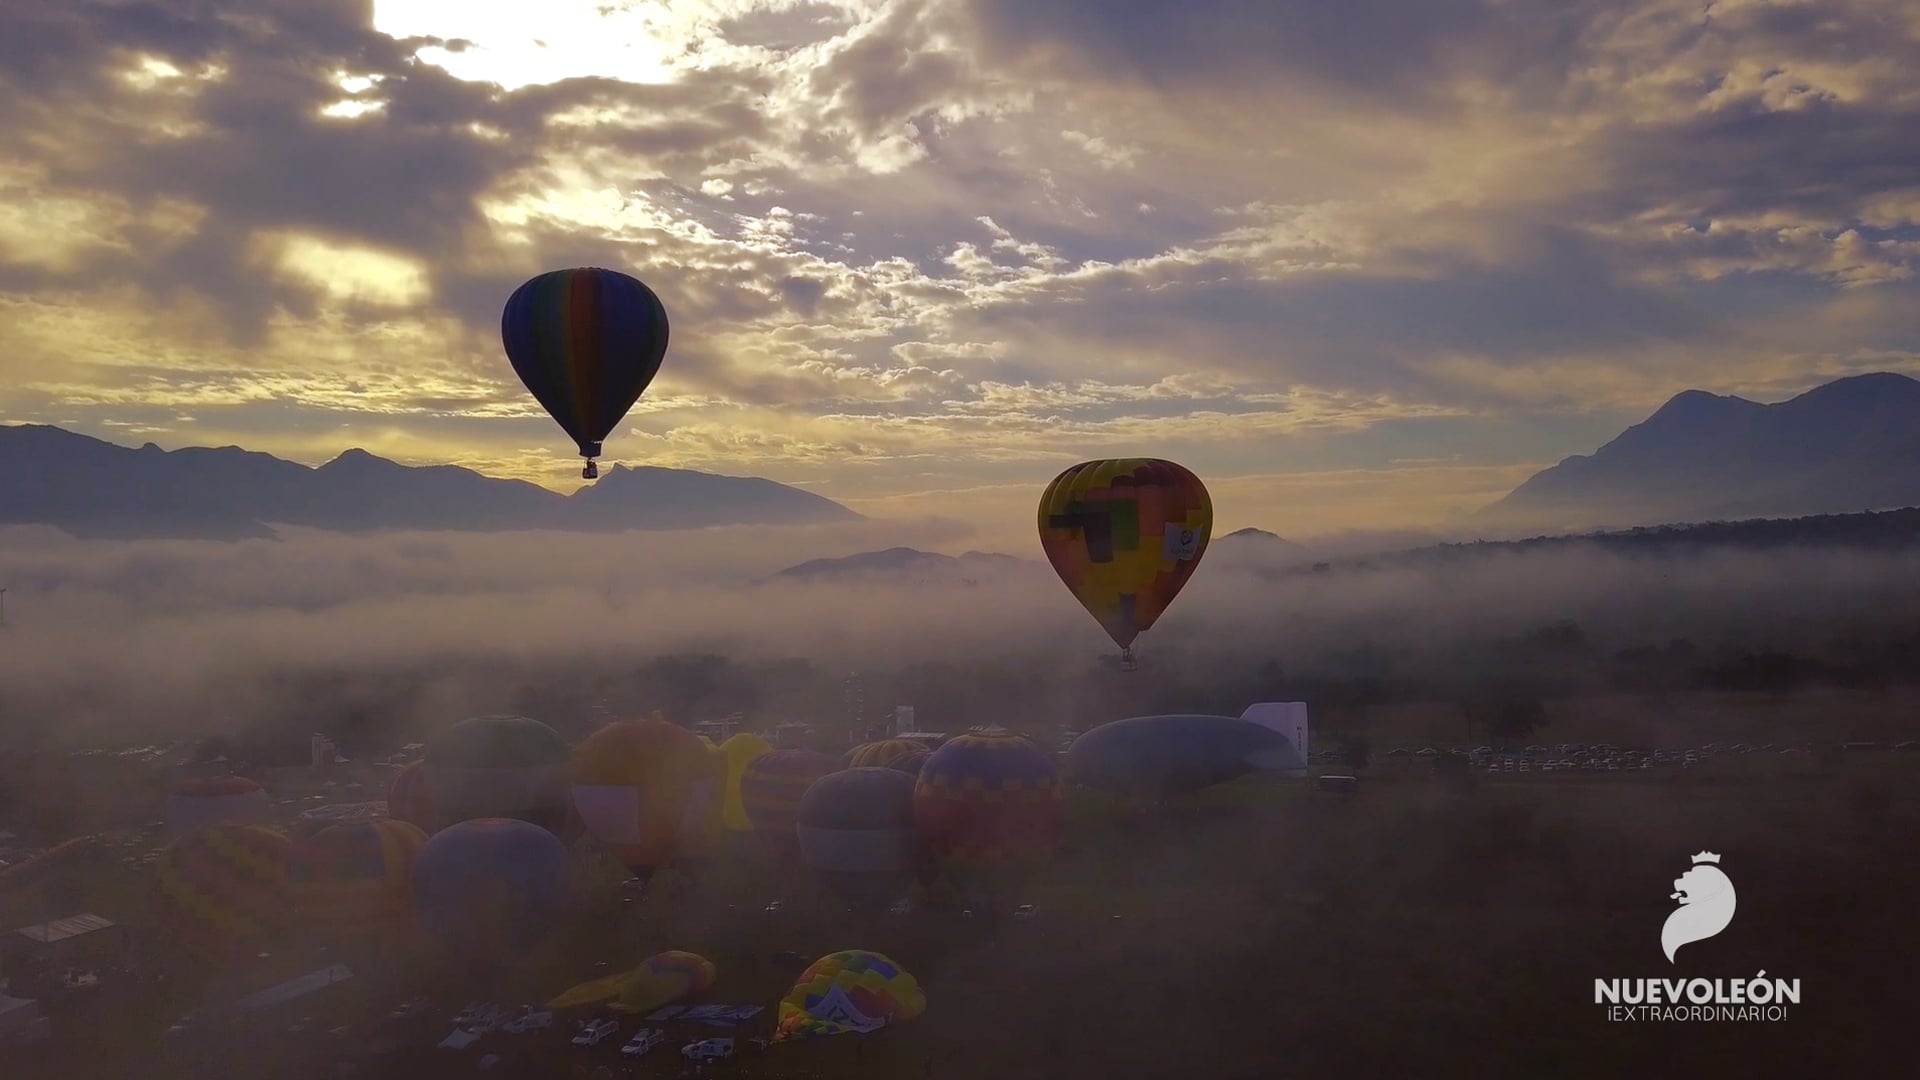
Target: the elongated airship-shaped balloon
pixel 586 342
pixel 1177 755
pixel 1125 535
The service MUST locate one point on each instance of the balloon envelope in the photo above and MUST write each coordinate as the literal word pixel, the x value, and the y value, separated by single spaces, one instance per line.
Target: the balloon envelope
pixel 851 991
pixel 499 766
pixel 649 791
pixel 1175 755
pixel 219 891
pixel 990 807
pixel 586 342
pixel 196 803
pixel 772 788
pixel 739 751
pixel 409 798
pixel 1125 535
pixel 663 979
pixel 881 754
pixel 491 884
pixel 351 884
pixel 856 831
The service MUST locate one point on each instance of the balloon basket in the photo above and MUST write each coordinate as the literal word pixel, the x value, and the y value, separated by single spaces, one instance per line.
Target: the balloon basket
pixel 591 471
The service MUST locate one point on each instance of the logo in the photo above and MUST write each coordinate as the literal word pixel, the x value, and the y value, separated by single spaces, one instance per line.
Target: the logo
pixel 1707 902
pixel 1706 905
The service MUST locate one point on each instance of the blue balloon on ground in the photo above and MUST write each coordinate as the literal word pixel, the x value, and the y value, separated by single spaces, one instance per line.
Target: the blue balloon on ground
pixel 856 831
pixel 492 884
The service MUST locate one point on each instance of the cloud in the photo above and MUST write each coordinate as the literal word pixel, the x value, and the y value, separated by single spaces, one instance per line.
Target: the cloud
pixel 976 233
pixel 155 639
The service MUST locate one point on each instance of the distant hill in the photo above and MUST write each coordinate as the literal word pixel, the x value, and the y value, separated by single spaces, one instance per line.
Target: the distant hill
pixel 1891 530
pixel 1252 548
pixel 905 565
pixel 88 487
pixel 1850 445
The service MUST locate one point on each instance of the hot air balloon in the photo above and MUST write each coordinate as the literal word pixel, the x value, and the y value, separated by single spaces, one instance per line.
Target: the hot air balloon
pixel 219 891
pixel 195 803
pixel 989 808
pixel 771 790
pixel 409 798
pixel 854 990
pixel 351 884
pixel 586 342
pixel 661 979
pixel 739 752
pixel 649 791
pixel 499 766
pixel 491 885
pixel 856 831
pixel 1175 755
pixel 881 754
pixel 1125 535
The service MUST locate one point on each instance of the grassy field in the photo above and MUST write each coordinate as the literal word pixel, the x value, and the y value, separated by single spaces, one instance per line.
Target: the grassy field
pixel 1411 929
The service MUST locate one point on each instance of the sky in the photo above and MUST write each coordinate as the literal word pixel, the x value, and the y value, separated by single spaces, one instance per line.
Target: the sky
pixel 1364 270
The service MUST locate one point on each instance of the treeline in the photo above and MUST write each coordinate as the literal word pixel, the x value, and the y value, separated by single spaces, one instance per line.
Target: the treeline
pixel 1891 530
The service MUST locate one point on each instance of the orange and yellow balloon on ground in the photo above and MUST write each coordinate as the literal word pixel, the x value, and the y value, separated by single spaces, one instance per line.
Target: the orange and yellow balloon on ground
pixel 352 884
pixel 219 891
pixel 649 791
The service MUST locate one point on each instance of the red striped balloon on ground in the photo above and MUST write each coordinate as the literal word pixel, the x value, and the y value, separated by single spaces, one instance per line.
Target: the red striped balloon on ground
pixel 205 800
pixel 990 808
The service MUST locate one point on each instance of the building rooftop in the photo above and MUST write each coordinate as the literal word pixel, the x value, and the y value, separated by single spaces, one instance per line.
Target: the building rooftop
pixel 56 930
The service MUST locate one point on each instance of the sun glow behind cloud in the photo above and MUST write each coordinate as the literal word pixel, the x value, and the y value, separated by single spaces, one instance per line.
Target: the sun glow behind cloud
pixel 525 44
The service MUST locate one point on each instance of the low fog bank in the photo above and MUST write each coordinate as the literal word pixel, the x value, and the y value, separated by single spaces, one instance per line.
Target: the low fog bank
pixel 115 640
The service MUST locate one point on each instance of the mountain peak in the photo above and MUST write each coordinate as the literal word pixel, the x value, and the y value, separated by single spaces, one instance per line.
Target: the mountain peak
pixel 1251 533
pixel 357 458
pixel 1845 446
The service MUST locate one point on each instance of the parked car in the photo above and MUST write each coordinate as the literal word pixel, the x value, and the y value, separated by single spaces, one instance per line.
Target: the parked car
pixel 528 1021
pixel 708 1049
pixel 595 1032
pixel 643 1041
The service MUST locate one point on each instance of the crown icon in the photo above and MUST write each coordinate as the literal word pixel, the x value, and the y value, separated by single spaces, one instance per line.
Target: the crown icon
pixel 1706 857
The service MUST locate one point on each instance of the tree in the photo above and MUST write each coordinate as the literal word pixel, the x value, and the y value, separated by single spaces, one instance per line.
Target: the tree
pixel 1356 752
pixel 1512 718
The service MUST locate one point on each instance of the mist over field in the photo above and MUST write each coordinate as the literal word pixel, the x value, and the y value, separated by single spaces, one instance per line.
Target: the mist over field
pixel 162 639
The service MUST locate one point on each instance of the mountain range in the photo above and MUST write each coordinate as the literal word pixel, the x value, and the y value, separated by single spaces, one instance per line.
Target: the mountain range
pixel 92 488
pixel 1847 446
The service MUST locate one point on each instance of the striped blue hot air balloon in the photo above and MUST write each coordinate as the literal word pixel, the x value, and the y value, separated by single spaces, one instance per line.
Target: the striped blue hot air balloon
pixel 586 342
pixel 856 831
